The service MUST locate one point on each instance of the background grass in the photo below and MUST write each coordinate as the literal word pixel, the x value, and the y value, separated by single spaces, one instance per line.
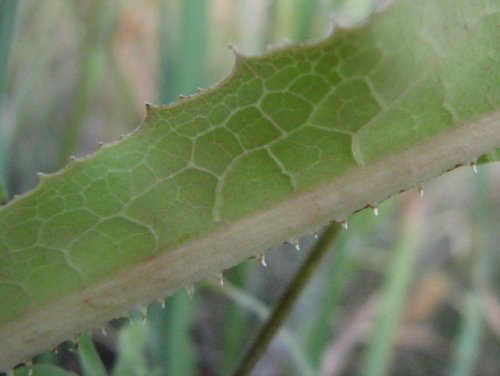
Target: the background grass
pixel 414 291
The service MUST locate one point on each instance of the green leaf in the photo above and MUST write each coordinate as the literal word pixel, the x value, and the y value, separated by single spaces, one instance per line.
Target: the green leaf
pixel 292 139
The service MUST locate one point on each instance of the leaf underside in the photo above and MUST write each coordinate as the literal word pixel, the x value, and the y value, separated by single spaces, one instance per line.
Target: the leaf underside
pixel 282 125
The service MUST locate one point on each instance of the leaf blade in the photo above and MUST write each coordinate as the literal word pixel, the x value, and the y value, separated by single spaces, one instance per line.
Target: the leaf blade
pixel 148 199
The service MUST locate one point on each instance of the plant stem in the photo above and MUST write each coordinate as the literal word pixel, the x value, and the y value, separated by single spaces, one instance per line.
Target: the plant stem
pixel 250 304
pixel 287 301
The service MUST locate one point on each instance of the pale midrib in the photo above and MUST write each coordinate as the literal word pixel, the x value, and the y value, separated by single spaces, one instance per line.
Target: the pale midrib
pixel 226 247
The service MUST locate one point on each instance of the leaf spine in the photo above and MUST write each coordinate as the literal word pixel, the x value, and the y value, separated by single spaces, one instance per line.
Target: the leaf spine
pixel 262 259
pixel 190 291
pixel 296 244
pixel 42 176
pixel 420 189
pixel 144 313
pixel 238 56
pixel 161 301
pixel 474 167
pixel 220 278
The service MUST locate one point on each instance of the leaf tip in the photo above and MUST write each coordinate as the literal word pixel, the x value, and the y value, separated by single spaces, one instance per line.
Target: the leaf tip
pixel 42 176
pixel 148 106
pixel 238 56
pixel 149 110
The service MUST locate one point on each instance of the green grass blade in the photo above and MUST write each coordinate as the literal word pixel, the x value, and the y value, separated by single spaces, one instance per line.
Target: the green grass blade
pixel 319 332
pixel 131 357
pixel 468 344
pixel 184 61
pixel 8 13
pixel 93 56
pixel 395 291
pixel 305 15
pixel 169 335
pixel 235 330
pixel 89 358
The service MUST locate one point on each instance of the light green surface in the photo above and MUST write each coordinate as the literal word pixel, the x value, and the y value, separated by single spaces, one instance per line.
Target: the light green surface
pixel 283 124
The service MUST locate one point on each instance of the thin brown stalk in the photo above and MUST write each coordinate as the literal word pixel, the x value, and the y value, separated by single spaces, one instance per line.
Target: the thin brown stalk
pixel 287 301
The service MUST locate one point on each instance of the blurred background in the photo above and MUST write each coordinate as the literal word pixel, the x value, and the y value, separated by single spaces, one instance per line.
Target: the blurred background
pixel 414 291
